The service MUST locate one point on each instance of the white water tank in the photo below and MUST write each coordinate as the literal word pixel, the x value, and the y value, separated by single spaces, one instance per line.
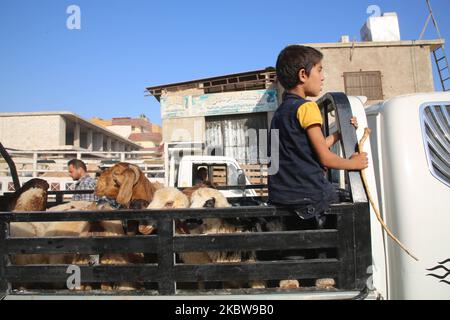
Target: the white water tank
pixel 345 39
pixel 381 28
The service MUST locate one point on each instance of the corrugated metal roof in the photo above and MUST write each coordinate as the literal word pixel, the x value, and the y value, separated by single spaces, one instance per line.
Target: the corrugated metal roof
pixel 268 69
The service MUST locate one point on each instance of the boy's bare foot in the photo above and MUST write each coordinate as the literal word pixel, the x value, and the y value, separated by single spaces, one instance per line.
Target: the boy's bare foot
pixel 289 284
pixel 325 283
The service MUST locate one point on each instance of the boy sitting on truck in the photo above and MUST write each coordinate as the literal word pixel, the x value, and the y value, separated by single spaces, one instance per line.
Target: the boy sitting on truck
pixel 303 152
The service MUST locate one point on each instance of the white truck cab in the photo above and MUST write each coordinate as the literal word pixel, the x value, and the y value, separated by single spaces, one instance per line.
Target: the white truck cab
pixel 222 172
pixel 409 178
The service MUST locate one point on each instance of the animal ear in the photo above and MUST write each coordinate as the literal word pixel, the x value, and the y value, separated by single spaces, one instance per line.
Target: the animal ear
pixel 137 173
pixel 210 203
pixel 126 187
pixel 100 185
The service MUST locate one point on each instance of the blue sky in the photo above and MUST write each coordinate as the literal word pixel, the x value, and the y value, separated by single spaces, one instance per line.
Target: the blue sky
pixel 125 46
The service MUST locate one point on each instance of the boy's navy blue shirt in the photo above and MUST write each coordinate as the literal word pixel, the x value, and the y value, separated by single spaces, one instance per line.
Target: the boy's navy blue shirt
pixel 300 178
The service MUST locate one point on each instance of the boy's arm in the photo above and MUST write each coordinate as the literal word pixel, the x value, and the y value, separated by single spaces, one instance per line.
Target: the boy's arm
pixel 358 161
pixel 332 139
pixel 335 137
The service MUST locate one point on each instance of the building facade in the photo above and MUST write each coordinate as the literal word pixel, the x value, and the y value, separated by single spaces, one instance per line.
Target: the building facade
pixel 58 131
pixel 139 130
pixel 226 115
pixel 229 115
pixel 378 70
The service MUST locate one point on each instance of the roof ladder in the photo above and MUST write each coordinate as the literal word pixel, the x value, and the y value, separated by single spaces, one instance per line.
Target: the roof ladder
pixel 439 54
pixel 442 65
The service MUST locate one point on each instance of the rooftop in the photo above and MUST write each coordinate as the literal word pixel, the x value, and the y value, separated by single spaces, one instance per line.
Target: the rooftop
pixel 127 121
pixel 257 79
pixel 433 44
pixel 250 80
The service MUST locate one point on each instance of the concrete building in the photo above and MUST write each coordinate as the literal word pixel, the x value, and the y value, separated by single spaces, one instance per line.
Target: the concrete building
pixel 58 131
pixel 224 114
pixel 140 130
pixel 219 113
pixel 378 70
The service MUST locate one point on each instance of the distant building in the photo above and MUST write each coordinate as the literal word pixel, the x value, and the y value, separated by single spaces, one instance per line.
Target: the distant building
pixel 58 131
pixel 217 113
pixel 378 70
pixel 220 114
pixel 139 130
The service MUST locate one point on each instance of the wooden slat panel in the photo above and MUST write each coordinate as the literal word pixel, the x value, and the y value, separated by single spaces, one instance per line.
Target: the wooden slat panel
pixel 94 245
pixel 238 241
pixel 257 174
pixel 345 252
pixel 219 175
pixel 166 257
pixel 258 241
pixel 218 293
pixel 363 256
pixel 307 269
pixel 235 212
pixel 102 273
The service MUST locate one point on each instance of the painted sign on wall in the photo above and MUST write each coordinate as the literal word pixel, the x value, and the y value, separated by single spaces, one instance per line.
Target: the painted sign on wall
pixel 218 104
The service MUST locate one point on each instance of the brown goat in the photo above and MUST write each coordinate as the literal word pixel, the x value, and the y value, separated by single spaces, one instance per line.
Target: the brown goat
pixel 128 186
pixel 125 183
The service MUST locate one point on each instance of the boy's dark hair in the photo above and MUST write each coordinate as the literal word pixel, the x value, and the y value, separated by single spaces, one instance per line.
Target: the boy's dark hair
pixel 291 60
pixel 77 164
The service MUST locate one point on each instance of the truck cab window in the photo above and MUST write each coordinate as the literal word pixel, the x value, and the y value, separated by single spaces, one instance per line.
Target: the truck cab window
pixel 200 175
pixel 219 175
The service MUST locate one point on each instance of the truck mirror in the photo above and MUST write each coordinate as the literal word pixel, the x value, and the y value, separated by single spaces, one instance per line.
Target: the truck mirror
pixel 241 181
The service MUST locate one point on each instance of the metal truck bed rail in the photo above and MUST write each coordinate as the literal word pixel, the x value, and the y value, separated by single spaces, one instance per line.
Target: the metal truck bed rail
pixel 349 238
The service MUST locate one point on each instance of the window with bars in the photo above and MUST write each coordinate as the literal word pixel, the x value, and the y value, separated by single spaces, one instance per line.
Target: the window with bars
pixel 364 83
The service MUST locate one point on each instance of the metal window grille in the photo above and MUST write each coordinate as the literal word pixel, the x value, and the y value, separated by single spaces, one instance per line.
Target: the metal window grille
pixel 364 83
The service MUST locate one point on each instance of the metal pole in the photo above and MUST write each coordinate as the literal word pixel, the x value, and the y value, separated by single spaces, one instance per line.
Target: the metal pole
pixel 12 166
pixel 425 27
pixel 434 20
pixel 35 166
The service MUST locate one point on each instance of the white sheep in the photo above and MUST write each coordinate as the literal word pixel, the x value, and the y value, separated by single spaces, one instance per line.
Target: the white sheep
pixel 208 197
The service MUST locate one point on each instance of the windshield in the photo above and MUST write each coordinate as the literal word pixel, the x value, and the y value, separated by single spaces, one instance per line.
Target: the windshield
pixel 215 173
pixel 232 175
